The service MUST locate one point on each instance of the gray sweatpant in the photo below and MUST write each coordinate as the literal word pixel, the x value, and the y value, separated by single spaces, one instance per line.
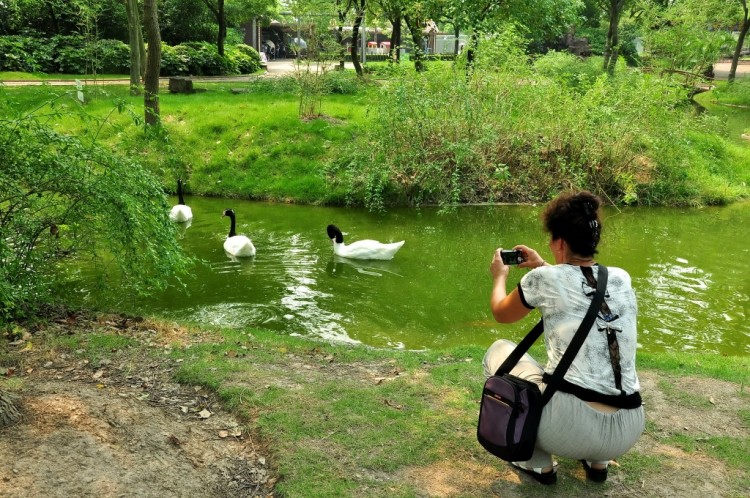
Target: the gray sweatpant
pixel 569 426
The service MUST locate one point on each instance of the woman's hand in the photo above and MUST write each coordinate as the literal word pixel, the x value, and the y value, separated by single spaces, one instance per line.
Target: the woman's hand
pixel 497 267
pixel 531 258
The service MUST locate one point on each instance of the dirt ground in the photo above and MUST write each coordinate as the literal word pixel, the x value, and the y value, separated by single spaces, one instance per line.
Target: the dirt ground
pixel 126 429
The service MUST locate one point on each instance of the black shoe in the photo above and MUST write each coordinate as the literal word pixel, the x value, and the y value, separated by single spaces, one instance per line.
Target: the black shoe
pixel 540 477
pixel 596 475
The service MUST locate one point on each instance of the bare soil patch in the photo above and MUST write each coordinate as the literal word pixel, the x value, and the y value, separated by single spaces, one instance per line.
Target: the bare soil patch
pixel 124 428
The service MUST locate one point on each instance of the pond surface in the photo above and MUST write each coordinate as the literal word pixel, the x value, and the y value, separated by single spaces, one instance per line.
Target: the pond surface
pixel 689 269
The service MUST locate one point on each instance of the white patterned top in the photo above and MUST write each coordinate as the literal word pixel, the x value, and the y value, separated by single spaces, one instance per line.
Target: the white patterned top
pixel 563 296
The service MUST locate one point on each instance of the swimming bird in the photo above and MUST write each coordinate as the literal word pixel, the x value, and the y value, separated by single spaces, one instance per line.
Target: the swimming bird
pixel 361 249
pixel 237 245
pixel 180 212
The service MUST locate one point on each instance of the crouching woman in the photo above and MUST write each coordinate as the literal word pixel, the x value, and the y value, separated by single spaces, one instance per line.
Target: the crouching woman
pixel 596 415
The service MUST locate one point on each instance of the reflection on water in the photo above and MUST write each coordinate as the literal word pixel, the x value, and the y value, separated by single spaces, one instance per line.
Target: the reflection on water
pixel 689 270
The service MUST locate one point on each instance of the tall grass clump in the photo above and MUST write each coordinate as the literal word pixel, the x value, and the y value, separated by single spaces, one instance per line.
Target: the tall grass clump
pixel 508 129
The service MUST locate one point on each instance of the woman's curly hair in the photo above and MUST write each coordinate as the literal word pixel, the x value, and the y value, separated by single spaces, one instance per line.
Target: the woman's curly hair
pixel 574 216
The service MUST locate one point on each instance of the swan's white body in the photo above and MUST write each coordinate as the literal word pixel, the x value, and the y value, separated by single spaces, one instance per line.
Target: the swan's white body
pixel 362 249
pixel 180 212
pixel 237 245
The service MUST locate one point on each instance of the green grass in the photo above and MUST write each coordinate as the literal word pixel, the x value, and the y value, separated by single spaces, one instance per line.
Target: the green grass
pixel 251 145
pixel 730 368
pixel 682 398
pixel 342 420
pixel 254 145
pixel 336 435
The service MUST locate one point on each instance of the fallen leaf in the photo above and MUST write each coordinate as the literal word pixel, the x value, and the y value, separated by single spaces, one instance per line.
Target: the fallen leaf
pixel 184 409
pixel 98 374
pixel 223 434
pixel 204 414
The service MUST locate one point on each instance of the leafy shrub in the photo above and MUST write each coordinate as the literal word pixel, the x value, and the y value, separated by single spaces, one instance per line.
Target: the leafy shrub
pixel 568 69
pixel 64 199
pixel 250 58
pixel 173 62
pixel 509 131
pixel 113 57
pixel 71 56
pixel 203 59
pixel 26 54
pixel 342 82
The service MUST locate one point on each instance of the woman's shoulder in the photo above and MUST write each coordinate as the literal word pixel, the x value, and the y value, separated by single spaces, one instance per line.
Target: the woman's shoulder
pixel 618 275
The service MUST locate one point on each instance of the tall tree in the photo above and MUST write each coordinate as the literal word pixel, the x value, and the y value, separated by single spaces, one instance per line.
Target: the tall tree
pixel 135 38
pixel 153 63
pixel 342 11
pixel 217 9
pixel 359 15
pixel 415 22
pixel 614 9
pixel 393 10
pixel 744 26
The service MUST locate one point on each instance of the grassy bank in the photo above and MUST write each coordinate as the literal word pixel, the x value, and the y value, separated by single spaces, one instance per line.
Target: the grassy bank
pixel 436 138
pixel 357 421
pixel 250 145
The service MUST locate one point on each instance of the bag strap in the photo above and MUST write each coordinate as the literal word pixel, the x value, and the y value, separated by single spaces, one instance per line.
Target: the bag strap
pixel 573 347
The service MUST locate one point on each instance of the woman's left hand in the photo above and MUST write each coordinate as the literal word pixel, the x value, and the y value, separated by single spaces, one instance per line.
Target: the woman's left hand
pixel 497 267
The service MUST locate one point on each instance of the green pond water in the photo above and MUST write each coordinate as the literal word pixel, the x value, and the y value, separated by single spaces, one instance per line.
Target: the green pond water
pixel 689 270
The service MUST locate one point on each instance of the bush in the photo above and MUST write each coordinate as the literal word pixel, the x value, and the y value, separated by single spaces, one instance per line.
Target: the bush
pixel 64 199
pixel 113 57
pixel 510 132
pixel 250 58
pixel 173 62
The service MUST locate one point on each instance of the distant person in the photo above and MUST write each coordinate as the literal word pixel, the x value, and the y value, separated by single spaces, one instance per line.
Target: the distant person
pixel 596 415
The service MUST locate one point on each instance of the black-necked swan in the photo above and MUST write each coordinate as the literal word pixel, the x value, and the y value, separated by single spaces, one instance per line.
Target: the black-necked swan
pixel 237 245
pixel 361 249
pixel 180 213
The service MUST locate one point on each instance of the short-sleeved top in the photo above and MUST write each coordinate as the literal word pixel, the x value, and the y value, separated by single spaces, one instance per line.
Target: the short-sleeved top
pixel 563 296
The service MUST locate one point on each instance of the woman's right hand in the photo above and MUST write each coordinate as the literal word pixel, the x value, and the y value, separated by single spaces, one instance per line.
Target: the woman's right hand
pixel 532 259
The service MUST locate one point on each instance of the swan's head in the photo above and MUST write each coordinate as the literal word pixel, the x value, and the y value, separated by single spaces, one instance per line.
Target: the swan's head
pixel 335 234
pixel 228 212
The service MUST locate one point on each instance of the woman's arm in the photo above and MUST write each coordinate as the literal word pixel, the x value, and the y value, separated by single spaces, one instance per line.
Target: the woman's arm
pixel 506 308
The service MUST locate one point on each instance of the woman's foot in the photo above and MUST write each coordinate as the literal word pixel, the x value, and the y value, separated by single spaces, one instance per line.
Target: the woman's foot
pixel 548 477
pixel 594 474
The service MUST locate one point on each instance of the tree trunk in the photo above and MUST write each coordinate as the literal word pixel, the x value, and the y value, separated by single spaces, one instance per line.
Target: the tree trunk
pixel 395 50
pixel 740 42
pixel 360 8
pixel 134 25
pixel 416 38
pixel 153 63
pixel 9 413
pixel 456 33
pixel 342 11
pixel 612 44
pixel 222 20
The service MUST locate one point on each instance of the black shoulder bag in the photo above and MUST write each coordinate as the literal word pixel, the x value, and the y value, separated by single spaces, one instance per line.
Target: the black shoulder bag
pixel 511 407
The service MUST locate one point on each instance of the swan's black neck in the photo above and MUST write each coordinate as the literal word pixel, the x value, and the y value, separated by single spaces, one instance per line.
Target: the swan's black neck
pixel 232 233
pixel 179 192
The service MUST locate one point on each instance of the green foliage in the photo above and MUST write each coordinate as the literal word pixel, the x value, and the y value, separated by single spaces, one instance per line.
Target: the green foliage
pixel 514 131
pixel 736 93
pixel 682 40
pixel 74 55
pixel 63 200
